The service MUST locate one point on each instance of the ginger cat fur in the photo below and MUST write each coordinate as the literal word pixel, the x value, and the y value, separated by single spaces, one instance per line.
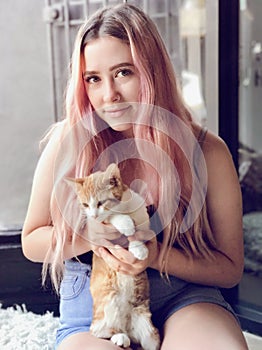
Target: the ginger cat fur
pixel 120 302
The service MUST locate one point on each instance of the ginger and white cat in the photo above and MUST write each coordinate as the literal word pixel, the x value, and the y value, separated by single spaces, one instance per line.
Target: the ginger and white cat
pixel 120 302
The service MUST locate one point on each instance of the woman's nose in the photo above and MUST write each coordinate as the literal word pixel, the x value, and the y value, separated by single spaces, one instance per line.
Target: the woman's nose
pixel 111 93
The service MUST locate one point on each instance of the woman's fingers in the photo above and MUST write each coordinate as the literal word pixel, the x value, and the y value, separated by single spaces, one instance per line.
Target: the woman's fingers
pixel 143 236
pixel 97 232
pixel 116 250
pixel 112 261
pixel 122 254
pixel 121 260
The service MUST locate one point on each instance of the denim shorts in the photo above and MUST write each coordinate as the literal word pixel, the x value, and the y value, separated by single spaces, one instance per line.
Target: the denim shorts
pixel 75 300
pixel 166 297
pixel 169 296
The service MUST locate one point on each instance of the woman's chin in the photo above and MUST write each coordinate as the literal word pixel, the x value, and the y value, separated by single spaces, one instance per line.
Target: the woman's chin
pixel 125 129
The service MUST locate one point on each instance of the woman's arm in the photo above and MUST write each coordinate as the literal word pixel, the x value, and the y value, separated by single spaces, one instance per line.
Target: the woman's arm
pixel 37 229
pixel 224 208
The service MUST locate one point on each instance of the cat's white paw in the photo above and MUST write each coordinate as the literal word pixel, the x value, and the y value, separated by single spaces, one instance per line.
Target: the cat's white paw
pixel 138 249
pixel 124 224
pixel 121 339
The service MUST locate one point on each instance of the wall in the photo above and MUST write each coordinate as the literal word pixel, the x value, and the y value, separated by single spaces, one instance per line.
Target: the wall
pixel 25 101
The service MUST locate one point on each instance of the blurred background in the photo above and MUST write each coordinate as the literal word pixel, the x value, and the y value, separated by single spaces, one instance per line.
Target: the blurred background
pixel 216 50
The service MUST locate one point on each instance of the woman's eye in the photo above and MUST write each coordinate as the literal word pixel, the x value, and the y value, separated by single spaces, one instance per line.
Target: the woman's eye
pixel 92 79
pixel 123 72
pixel 85 205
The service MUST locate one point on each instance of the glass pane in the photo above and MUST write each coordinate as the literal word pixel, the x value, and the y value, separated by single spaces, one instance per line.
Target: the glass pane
pixel 250 151
pixel 193 31
pixel 198 24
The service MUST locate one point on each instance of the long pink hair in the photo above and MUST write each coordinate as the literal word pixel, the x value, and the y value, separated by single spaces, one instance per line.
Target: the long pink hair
pixel 163 121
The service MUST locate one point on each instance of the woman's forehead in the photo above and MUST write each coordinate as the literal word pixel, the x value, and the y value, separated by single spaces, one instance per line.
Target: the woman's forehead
pixel 106 52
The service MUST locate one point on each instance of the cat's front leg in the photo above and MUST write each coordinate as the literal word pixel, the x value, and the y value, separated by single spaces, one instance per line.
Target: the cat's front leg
pixel 138 249
pixel 123 223
pixel 121 339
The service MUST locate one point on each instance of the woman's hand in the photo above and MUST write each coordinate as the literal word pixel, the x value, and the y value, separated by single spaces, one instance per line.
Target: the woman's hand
pixel 121 260
pixel 98 233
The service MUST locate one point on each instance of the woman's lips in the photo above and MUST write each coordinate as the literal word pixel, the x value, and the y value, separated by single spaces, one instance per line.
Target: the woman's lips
pixel 116 112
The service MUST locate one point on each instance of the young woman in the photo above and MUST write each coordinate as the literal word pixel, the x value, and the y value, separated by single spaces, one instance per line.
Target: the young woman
pixel 123 105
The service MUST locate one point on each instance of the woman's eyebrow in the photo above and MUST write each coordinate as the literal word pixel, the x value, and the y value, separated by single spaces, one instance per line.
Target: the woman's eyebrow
pixel 91 72
pixel 123 64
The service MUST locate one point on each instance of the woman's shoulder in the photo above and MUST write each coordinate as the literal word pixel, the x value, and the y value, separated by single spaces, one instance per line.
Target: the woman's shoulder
pixel 219 163
pixel 49 145
pixel 54 133
pixel 211 144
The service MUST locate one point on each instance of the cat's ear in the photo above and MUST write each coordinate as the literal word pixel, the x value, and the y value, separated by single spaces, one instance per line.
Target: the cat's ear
pixel 113 175
pixel 113 170
pixel 76 184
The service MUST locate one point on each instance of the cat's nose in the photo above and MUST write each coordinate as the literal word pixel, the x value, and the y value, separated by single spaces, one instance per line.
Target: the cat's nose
pixel 93 214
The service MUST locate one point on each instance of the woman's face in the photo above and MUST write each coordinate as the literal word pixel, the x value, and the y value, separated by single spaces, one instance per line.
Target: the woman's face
pixel 112 81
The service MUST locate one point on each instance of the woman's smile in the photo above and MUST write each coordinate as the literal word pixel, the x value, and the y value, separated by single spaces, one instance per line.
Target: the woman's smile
pixel 116 111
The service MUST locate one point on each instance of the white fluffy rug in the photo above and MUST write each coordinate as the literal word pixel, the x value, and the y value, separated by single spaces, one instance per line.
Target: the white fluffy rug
pixel 23 330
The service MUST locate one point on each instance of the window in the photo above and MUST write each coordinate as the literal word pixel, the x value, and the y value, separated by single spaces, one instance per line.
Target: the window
pixel 250 152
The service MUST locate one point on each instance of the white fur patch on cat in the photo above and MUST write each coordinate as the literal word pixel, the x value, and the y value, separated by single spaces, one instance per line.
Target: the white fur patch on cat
pixel 121 339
